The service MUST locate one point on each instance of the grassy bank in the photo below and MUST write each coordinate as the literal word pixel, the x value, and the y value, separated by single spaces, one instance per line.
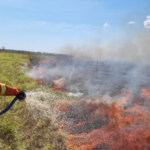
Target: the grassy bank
pixel 19 129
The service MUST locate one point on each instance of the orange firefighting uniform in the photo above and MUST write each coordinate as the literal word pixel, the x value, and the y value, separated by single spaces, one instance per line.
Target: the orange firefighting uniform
pixel 7 90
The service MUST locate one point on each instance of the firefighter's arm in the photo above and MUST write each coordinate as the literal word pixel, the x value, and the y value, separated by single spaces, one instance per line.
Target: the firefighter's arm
pixel 7 90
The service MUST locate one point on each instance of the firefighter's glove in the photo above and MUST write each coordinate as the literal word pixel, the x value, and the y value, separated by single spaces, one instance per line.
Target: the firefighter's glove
pixel 21 95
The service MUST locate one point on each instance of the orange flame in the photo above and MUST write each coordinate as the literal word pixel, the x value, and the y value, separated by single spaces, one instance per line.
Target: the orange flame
pixel 57 88
pixel 109 126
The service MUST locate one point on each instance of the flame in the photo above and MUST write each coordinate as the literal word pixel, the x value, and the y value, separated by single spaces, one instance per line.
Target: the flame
pixel 97 125
pixel 62 106
pixel 57 88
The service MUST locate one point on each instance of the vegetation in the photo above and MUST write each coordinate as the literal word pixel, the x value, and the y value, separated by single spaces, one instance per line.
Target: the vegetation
pixel 19 129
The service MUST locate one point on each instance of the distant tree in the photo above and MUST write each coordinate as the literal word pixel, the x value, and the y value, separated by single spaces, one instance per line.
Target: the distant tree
pixel 3 47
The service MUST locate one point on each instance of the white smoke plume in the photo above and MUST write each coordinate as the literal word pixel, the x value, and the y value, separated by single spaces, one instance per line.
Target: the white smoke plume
pixel 135 47
pixel 102 70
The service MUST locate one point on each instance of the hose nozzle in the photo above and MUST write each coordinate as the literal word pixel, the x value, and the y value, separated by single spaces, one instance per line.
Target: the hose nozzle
pixel 21 96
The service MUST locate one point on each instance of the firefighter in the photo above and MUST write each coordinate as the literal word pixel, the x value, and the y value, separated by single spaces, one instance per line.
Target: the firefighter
pixel 7 90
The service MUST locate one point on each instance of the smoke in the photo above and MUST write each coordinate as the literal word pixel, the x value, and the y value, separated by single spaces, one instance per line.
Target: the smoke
pixel 116 68
pixel 92 78
pixel 133 47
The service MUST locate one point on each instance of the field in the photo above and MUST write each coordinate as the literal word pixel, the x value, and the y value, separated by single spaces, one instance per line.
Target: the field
pixel 19 129
pixel 112 113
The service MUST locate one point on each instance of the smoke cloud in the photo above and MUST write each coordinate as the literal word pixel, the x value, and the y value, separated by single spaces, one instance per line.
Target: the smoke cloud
pixel 110 70
pixel 135 47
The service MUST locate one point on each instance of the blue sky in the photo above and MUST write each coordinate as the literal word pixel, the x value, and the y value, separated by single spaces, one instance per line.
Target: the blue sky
pixel 48 25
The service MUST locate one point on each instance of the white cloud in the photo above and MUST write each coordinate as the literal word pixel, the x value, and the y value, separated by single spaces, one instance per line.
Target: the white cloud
pixel 106 25
pixel 148 17
pixel 131 22
pixel 147 22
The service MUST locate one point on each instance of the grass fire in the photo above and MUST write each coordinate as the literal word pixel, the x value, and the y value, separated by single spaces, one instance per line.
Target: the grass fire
pixel 108 111
pixel 75 74
pixel 96 125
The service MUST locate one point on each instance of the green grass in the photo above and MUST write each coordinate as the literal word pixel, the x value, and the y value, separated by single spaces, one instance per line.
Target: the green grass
pixel 19 129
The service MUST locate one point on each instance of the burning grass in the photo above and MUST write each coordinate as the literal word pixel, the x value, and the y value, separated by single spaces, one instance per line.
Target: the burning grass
pixel 97 125
pixel 111 119
pixel 107 116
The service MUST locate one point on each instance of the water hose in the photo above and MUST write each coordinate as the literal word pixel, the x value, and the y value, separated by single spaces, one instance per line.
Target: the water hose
pixel 9 106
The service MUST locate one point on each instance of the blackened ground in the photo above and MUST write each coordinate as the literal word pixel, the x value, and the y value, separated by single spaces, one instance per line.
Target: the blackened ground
pixel 101 146
pixel 81 118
